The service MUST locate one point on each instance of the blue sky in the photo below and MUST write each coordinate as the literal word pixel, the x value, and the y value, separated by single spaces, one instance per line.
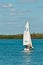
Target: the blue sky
pixel 15 13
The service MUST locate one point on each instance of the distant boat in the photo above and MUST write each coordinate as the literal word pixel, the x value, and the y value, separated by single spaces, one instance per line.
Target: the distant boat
pixel 27 38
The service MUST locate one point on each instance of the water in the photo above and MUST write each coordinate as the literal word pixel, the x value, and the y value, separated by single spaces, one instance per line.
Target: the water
pixel 11 52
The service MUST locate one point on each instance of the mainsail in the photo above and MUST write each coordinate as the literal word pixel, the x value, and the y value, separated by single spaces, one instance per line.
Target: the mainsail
pixel 26 36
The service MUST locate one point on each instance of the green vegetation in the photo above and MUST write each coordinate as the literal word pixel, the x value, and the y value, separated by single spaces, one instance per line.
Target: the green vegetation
pixel 11 36
pixel 37 36
pixel 20 36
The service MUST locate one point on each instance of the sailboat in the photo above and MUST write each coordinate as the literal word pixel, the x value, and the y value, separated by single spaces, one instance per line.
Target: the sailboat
pixel 27 38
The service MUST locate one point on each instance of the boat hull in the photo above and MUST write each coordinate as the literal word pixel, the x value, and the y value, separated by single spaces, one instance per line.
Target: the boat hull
pixel 26 49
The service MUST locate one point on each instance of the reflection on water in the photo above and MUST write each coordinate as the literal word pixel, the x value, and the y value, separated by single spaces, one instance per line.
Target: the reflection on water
pixel 11 53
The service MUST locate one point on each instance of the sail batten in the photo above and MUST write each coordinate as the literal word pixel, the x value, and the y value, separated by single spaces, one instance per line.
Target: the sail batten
pixel 26 36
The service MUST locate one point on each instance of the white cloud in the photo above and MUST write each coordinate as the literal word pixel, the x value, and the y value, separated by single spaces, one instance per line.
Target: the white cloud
pixel 12 10
pixel 10 5
pixel 27 0
pixel 19 12
pixel 24 12
pixel 12 14
pixel 6 5
pixel 12 23
pixel 27 11
pixel 8 23
pixel 40 7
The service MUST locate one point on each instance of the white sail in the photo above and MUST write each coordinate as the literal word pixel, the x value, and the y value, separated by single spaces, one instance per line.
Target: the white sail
pixel 26 36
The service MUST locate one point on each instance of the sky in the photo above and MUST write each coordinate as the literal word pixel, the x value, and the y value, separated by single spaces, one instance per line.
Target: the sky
pixel 15 13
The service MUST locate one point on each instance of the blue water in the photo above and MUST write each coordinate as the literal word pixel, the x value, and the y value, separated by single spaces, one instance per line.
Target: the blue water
pixel 11 52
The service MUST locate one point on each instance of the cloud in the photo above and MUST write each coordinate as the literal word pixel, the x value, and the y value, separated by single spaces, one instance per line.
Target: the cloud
pixel 12 14
pixel 6 5
pixel 40 7
pixel 10 5
pixel 27 1
pixel 19 12
pixel 12 10
pixel 8 23
pixel 24 11
pixel 11 23
pixel 27 11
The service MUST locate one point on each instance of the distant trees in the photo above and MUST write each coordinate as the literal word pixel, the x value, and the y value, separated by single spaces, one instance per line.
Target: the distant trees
pixel 37 36
pixel 20 36
pixel 11 36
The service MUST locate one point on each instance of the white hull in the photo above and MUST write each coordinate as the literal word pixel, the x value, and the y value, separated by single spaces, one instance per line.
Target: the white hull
pixel 26 49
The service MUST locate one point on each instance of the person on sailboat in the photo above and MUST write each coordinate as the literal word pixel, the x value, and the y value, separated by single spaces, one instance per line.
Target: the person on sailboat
pixel 28 46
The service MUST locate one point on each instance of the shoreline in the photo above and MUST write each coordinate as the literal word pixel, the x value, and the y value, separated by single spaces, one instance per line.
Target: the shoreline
pixel 20 36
